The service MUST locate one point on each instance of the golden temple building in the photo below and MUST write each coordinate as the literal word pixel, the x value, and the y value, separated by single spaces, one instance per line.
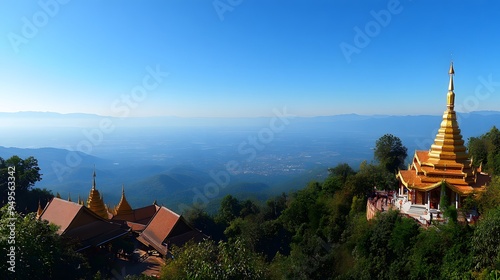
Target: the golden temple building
pixel 447 164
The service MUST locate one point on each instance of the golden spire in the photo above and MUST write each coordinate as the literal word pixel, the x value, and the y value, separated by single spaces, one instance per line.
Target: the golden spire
pixel 123 206
pixel 40 210
pixel 80 200
pixel 448 148
pixel 95 202
pixel 93 180
pixel 451 87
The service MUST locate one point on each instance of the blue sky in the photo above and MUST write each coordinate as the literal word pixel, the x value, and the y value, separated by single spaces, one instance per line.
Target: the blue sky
pixel 243 58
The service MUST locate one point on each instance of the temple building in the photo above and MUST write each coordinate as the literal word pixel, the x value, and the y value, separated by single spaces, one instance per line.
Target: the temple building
pixel 95 224
pixel 446 165
pixel 81 224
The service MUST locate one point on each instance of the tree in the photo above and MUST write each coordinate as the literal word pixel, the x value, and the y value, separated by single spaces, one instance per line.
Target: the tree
pixel 201 220
pixel 390 152
pixel 209 260
pixel 478 150
pixel 370 176
pixel 230 208
pixel 485 241
pixel 40 253
pixel 342 170
pixel 490 198
pixel 383 250
pixel 485 150
pixel 25 173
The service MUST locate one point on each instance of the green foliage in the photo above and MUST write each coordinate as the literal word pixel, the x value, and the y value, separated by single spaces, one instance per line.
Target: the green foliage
pixel 370 176
pixel 342 171
pixel 302 208
pixel 275 206
pixel 390 153
pixel 477 147
pixel 201 220
pixel 444 202
pixel 382 250
pixel 426 255
pixel 486 241
pixel 485 150
pixel 229 210
pixel 209 260
pixel 40 252
pixel 490 198
pixel 26 174
pixel 312 258
pixel 139 277
pixel 457 262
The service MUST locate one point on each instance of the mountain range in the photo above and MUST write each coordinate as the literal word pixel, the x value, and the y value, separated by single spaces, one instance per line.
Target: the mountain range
pixel 181 162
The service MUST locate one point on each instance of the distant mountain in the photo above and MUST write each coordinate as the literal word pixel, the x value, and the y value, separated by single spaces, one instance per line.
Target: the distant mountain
pixel 51 159
pixel 170 159
pixel 35 115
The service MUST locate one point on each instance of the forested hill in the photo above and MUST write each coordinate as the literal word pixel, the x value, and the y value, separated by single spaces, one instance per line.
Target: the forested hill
pixel 170 156
pixel 321 232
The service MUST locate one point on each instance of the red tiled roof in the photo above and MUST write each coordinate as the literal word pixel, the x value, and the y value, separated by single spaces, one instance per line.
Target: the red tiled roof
pixel 163 227
pixel 61 213
pixel 79 222
pixel 140 215
pixel 135 226
pixel 412 180
pixel 422 156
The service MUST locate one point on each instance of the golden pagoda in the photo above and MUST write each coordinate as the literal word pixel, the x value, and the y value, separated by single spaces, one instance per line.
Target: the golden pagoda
pixel 95 202
pixel 123 206
pixel 447 163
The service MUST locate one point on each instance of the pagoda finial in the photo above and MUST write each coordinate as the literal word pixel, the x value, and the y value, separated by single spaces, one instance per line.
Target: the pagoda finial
pixel 123 206
pixel 93 179
pixel 451 94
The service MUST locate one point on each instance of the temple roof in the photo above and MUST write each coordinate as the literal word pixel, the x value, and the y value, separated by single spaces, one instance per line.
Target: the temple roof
pixel 138 216
pixel 165 228
pixel 77 221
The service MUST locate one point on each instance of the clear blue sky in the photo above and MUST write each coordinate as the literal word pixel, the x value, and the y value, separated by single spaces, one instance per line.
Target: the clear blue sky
pixel 84 56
